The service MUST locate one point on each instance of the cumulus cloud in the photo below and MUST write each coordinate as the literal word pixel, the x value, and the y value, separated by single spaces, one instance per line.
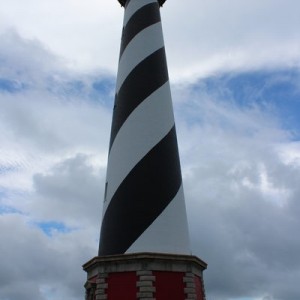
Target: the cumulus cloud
pixel 53 113
pixel 49 145
pixel 85 34
pixel 34 266
pixel 71 191
pixel 230 35
pixel 240 191
pixel 216 36
pixel 240 156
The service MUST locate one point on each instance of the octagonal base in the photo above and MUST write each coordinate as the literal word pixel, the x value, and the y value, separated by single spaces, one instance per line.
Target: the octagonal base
pixel 145 276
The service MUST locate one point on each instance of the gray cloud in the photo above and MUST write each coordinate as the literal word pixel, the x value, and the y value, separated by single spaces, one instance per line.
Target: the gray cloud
pixel 239 193
pixel 53 115
pixel 71 191
pixel 241 188
pixel 48 146
pixel 35 266
pixel 216 36
pixel 224 36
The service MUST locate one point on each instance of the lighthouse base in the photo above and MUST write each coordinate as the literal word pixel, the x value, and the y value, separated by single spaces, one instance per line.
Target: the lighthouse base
pixel 145 276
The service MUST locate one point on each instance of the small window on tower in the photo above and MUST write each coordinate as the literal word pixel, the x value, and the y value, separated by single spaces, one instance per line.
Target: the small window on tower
pixel 105 191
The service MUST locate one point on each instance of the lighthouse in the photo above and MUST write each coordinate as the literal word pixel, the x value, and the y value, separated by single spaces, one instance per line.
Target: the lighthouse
pixel 144 249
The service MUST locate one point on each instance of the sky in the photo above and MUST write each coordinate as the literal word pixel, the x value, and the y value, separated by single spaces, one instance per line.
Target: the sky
pixel 234 68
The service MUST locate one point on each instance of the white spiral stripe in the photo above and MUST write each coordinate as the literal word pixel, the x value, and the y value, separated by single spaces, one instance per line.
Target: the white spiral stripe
pixel 145 127
pixel 142 45
pixel 133 7
pixel 171 228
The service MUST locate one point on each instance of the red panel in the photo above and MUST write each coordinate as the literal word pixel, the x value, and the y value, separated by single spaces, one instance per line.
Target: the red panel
pixel 199 288
pixel 169 285
pixel 122 286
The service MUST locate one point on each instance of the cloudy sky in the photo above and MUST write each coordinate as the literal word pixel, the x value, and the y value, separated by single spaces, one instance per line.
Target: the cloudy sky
pixel 235 73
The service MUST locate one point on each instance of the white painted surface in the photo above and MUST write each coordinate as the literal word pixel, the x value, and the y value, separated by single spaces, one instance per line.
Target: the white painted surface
pixel 168 233
pixel 141 46
pixel 143 129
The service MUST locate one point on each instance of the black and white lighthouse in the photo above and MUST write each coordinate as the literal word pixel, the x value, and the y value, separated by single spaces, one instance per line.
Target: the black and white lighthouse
pixel 144 250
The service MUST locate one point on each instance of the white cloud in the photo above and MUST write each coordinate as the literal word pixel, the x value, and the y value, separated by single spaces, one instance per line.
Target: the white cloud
pixel 85 34
pixel 48 118
pixel 205 37
pixel 202 37
pixel 240 168
pixel 71 192
pixel 240 192
pixel 34 266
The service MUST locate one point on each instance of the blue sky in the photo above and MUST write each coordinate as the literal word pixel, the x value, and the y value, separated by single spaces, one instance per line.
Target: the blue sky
pixel 276 92
pixel 234 70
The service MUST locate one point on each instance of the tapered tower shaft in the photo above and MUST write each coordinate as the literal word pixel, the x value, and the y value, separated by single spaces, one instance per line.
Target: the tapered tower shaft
pixel 144 250
pixel 144 206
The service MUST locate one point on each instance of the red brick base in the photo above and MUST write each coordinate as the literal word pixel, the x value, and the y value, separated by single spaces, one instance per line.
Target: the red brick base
pixel 145 276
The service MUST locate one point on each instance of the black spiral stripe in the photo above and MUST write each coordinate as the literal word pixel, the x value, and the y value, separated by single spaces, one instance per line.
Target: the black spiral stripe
pixel 146 78
pixel 142 196
pixel 144 180
pixel 144 17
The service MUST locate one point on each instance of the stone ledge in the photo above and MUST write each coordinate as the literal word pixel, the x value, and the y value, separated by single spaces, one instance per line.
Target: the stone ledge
pixel 145 261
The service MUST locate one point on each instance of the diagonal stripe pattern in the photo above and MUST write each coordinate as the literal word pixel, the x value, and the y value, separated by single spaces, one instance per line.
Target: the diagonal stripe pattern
pixel 144 204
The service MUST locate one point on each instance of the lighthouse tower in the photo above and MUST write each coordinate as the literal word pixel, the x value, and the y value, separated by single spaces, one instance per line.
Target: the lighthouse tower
pixel 144 250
